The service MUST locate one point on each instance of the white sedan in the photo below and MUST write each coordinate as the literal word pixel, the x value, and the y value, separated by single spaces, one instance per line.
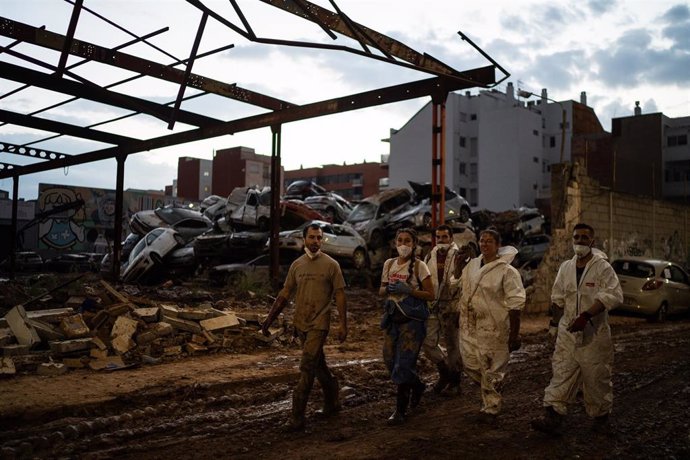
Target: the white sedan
pixel 341 242
pixel 150 251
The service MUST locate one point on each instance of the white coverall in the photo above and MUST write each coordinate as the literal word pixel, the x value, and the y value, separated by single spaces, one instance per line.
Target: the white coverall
pixel 585 356
pixel 488 294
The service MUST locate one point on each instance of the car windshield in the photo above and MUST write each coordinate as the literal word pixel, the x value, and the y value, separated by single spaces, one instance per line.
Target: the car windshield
pixel 633 268
pixel 361 212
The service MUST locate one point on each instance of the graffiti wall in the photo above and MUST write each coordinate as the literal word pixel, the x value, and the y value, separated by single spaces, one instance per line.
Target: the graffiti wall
pixel 87 216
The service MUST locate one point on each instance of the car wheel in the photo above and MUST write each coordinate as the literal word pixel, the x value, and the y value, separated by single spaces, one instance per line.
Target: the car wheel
pixel 662 313
pixel 464 215
pixel 263 224
pixel 359 259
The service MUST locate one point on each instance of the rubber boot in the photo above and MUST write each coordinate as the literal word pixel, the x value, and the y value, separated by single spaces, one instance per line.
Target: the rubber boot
pixel 402 399
pixel 551 423
pixel 443 377
pixel 454 385
pixel 417 390
pixel 331 397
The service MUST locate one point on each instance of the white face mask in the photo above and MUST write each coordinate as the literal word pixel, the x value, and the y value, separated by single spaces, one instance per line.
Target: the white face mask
pixel 403 250
pixel 311 255
pixel 581 250
pixel 443 247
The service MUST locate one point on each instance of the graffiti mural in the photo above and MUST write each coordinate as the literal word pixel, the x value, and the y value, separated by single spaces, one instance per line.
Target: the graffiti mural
pixel 65 229
pixel 89 227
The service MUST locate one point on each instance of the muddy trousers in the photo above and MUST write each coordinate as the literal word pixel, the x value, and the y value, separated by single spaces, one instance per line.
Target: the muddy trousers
pixel 401 346
pixel 313 365
pixel 486 362
pixel 443 325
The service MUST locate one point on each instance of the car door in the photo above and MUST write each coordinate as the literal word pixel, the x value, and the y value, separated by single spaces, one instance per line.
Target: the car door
pixel 250 208
pixel 347 241
pixel 330 244
pixel 680 289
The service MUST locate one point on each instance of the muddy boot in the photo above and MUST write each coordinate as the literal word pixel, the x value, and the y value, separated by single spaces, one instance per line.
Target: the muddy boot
pixel 602 425
pixel 402 399
pixel 454 385
pixel 417 390
pixel 331 397
pixel 443 377
pixel 551 423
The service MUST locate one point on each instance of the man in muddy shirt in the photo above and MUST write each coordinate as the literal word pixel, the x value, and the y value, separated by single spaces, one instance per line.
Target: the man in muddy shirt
pixel 314 278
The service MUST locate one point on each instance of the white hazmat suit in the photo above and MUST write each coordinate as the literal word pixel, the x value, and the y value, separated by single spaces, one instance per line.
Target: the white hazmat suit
pixel 584 357
pixel 489 292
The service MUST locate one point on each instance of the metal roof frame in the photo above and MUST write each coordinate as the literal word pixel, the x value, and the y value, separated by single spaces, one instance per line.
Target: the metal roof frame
pixel 60 78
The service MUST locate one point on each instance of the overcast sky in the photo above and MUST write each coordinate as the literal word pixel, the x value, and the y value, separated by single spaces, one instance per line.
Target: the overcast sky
pixel 618 52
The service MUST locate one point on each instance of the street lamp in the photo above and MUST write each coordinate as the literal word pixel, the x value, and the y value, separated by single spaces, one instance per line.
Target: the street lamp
pixel 528 94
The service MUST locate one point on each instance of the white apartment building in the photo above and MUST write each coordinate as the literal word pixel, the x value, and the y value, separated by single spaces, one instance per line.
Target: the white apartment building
pixel 499 149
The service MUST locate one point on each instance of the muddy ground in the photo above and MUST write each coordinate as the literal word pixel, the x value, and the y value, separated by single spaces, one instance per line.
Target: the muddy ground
pixel 232 405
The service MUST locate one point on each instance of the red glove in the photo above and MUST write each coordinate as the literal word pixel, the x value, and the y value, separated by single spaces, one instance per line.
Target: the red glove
pixel 580 322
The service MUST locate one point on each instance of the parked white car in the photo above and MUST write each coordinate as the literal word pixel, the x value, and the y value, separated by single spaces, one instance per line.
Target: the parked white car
pixel 150 252
pixel 341 242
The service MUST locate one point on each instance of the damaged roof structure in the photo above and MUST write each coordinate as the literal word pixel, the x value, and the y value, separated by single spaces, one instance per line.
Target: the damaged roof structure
pixel 35 57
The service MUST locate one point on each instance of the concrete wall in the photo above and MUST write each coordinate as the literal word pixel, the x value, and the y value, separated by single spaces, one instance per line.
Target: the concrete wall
pixel 625 225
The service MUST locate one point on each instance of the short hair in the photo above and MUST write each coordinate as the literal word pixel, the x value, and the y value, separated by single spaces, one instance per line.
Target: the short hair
pixel 444 227
pixel 494 234
pixel 314 226
pixel 582 225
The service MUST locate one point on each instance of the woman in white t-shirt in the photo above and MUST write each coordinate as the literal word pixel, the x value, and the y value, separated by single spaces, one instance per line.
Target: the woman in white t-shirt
pixel 404 276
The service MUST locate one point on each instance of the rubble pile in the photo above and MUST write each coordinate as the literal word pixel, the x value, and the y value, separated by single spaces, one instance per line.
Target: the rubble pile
pixel 109 330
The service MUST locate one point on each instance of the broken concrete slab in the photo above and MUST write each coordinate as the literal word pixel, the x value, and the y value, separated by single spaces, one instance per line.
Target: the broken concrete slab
pixel 173 350
pixel 122 344
pixel 46 331
pixel 98 354
pixel 51 369
pixel 194 314
pixel 75 363
pixel 273 334
pixel 193 348
pixel 183 324
pixel 75 302
pixel 96 321
pixel 121 298
pixel 70 346
pixel 109 362
pixel 7 366
pixel 228 320
pixel 148 315
pixel 99 343
pixel 15 350
pixel 119 309
pixel 23 332
pixel 54 315
pixel 170 311
pixel 157 330
pixel 74 327
pixel 124 326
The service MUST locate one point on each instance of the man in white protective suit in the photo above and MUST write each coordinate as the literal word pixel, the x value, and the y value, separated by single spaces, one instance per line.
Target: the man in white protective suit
pixel 586 288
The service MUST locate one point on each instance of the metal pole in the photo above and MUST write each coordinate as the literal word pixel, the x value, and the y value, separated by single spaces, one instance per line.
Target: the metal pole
pixel 275 204
pixel 119 204
pixel 13 236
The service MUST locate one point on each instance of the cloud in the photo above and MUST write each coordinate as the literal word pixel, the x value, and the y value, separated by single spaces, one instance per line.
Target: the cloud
pixel 601 6
pixel 679 34
pixel 676 14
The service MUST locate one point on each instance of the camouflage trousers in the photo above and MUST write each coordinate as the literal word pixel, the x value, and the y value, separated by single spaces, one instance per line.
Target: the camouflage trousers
pixel 443 325
pixel 401 345
pixel 313 365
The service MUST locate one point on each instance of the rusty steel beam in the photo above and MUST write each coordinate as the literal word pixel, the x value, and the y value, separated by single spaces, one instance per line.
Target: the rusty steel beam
pixel 51 40
pixel 69 37
pixel 97 94
pixel 41 154
pixel 63 128
pixel 363 34
pixel 188 70
pixel 381 96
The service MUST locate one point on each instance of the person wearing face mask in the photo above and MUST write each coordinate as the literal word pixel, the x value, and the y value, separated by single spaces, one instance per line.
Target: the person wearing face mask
pixel 314 279
pixel 402 276
pixel 445 262
pixel 490 305
pixel 585 289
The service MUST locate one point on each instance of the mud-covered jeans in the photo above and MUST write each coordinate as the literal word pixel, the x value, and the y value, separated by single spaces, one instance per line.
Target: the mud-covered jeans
pixel 313 364
pixel 444 324
pixel 401 345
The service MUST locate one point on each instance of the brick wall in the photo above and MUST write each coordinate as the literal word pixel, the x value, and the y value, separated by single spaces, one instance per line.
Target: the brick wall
pixel 625 225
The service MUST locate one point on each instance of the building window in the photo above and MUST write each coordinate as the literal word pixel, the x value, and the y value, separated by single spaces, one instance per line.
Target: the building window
pixel 463 169
pixel 473 172
pixel 552 141
pixel 463 141
pixel 544 166
pixel 535 132
pixel 535 160
pixel 677 171
pixel 473 116
pixel 543 123
pixel 474 146
pixel 463 191
pixel 672 141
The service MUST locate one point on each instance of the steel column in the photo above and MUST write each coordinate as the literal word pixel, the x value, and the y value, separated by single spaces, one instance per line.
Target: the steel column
pixel 438 160
pixel 119 201
pixel 275 204
pixel 13 237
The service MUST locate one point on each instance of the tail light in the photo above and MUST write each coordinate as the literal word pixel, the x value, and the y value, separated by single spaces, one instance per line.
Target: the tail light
pixel 652 285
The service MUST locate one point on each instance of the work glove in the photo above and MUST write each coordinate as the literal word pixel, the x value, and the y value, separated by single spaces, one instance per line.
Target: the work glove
pixel 580 322
pixel 399 288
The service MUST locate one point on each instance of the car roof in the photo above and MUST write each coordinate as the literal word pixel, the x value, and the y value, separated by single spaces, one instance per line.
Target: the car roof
pixel 648 260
